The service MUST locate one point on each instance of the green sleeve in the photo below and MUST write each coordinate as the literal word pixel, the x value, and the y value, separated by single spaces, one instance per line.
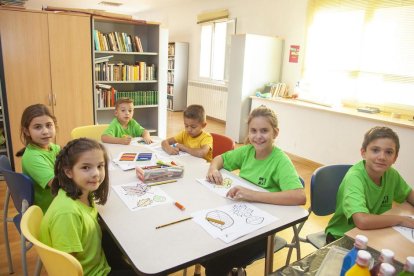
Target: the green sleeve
pixel 65 232
pixel 233 160
pixel 353 196
pixel 136 129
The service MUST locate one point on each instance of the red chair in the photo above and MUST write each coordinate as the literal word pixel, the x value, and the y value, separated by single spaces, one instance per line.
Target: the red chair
pixel 221 144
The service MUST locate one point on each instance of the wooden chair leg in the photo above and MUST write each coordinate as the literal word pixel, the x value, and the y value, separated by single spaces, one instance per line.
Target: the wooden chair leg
pixel 197 270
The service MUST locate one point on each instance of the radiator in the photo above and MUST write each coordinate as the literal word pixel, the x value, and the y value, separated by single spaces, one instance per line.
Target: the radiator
pixel 213 97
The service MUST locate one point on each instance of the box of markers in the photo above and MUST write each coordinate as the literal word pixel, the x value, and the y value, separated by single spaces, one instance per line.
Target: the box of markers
pixel 160 172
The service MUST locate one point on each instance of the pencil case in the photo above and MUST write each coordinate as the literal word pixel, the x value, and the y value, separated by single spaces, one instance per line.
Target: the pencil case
pixel 159 173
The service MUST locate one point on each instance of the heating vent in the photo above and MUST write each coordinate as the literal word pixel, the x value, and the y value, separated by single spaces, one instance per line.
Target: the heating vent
pixel 213 97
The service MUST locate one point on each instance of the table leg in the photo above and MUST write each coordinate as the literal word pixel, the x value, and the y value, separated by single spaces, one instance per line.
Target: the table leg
pixel 269 255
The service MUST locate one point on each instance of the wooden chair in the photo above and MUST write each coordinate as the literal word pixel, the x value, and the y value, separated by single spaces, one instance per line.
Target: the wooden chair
pixel 90 131
pixel 55 262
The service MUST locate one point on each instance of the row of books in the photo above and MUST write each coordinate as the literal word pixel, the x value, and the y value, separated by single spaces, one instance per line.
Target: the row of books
pixel 108 97
pixel 106 71
pixel 117 42
pixel 170 77
pixel 171 49
pixel 170 64
pixel 170 89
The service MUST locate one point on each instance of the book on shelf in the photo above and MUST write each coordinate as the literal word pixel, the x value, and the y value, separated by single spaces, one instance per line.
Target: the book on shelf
pixel 102 59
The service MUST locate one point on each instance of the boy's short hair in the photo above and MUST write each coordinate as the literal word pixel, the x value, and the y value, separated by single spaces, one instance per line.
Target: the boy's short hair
pixel 381 132
pixel 195 112
pixel 123 100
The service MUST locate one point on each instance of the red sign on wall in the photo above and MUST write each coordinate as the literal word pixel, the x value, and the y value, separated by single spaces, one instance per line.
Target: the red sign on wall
pixel 294 53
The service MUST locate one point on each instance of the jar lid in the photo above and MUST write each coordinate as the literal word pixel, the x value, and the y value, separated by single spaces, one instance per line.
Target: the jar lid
pixel 363 258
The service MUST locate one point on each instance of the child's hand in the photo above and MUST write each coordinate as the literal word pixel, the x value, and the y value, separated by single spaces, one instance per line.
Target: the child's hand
pixel 214 176
pixel 239 193
pixel 147 140
pixel 172 150
pixel 407 222
pixel 126 140
pixel 180 147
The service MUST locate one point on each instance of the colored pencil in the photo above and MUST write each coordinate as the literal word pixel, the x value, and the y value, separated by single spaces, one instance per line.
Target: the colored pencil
pixel 215 220
pixel 179 206
pixel 173 222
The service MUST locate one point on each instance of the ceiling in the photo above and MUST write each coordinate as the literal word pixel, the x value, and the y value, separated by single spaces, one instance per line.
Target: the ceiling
pixel 128 6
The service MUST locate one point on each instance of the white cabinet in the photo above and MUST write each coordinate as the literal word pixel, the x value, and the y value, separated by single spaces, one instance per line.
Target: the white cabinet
pixel 130 61
pixel 177 76
pixel 254 61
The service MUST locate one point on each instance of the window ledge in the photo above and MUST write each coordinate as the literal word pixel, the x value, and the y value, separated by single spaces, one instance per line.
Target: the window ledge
pixel 383 117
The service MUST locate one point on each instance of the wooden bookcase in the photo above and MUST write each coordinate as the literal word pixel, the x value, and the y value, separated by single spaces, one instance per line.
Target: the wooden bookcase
pixel 177 76
pixel 47 59
pixel 116 74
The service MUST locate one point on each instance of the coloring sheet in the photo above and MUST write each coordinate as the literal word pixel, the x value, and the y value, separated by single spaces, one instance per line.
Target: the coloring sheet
pixel 129 160
pixel 162 154
pixel 408 233
pixel 138 195
pixel 233 221
pixel 229 181
pixel 139 141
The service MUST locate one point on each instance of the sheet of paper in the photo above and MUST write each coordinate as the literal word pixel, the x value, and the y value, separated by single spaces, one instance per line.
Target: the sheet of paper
pixel 229 181
pixel 233 221
pixel 139 196
pixel 407 233
pixel 139 141
pixel 162 154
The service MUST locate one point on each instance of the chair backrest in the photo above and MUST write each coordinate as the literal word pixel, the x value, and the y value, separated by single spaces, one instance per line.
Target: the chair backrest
pixel 5 163
pixel 221 144
pixel 91 131
pixel 325 183
pixel 20 187
pixel 56 262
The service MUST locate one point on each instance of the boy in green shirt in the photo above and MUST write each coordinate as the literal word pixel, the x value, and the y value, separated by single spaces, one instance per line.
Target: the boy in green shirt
pixel 124 127
pixel 370 186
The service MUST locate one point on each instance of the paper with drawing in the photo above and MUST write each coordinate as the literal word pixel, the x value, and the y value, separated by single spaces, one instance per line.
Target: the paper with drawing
pixel 229 181
pixel 407 233
pixel 232 221
pixel 138 195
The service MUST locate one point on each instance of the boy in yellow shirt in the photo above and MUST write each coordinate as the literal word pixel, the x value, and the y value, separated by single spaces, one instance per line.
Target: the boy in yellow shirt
pixel 124 127
pixel 192 139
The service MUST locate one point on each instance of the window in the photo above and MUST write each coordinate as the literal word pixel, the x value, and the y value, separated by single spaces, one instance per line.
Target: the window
pixel 215 48
pixel 360 53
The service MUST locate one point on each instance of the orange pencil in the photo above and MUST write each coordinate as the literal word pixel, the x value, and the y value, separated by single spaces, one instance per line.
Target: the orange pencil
pixel 179 206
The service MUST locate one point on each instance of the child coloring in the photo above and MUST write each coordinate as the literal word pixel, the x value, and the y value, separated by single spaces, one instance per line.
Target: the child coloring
pixel 265 165
pixel 124 127
pixel 192 139
pixel 370 186
pixel 37 132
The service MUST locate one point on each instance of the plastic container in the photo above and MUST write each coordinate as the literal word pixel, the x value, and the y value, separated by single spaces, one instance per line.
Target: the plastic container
pixel 387 256
pixel 361 242
pixel 408 267
pixel 361 266
pixel 386 269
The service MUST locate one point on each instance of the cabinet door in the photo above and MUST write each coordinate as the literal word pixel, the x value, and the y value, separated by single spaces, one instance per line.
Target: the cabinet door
pixel 71 71
pixel 25 48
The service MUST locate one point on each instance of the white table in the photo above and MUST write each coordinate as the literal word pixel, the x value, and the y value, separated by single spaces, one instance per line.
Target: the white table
pixel 166 250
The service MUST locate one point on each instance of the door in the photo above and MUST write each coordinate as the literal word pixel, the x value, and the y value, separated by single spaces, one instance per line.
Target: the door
pixel 71 72
pixel 25 48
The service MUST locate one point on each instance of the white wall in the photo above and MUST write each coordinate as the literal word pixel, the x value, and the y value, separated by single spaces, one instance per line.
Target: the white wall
pixel 333 138
pixel 284 18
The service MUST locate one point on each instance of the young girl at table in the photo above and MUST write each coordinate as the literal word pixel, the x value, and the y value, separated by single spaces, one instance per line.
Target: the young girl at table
pixel 37 132
pixel 265 165
pixel 71 222
pixel 370 186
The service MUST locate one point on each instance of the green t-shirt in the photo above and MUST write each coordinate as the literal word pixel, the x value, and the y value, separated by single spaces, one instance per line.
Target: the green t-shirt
pixel 72 227
pixel 115 129
pixel 359 194
pixel 39 165
pixel 275 173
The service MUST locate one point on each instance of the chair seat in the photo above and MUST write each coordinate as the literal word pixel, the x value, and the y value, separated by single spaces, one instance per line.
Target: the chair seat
pixel 317 239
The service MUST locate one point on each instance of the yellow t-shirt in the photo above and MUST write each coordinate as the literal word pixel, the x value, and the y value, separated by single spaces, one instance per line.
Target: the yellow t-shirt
pixel 204 138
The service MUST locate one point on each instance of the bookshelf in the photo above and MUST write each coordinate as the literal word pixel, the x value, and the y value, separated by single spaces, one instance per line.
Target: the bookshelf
pixel 4 137
pixel 177 76
pixel 129 61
